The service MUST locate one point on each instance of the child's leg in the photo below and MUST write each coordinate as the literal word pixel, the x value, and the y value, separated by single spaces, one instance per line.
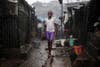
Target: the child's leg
pixel 49 43
pixel 49 47
pixel 47 36
pixel 51 36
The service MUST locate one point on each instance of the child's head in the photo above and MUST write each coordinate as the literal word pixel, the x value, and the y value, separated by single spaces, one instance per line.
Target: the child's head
pixel 50 14
pixel 71 36
pixel 76 42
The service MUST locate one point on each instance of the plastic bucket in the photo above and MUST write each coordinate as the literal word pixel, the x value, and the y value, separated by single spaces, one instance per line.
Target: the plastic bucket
pixel 79 50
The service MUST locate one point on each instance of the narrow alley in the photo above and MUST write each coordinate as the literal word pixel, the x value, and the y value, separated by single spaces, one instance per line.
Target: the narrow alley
pixel 49 33
pixel 39 55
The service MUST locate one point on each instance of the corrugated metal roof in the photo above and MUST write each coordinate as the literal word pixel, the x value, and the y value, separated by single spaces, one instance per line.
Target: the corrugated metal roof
pixel 75 4
pixel 14 1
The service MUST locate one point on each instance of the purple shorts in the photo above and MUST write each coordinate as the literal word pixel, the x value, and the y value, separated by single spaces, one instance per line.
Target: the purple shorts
pixel 50 35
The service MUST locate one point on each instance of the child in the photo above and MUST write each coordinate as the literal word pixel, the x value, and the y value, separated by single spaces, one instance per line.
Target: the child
pixel 50 30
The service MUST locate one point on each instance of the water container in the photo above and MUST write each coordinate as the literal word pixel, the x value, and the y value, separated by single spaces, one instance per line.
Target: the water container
pixel 36 43
pixel 71 41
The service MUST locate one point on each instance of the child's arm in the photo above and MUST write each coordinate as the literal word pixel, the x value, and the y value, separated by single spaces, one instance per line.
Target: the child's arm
pixel 56 29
